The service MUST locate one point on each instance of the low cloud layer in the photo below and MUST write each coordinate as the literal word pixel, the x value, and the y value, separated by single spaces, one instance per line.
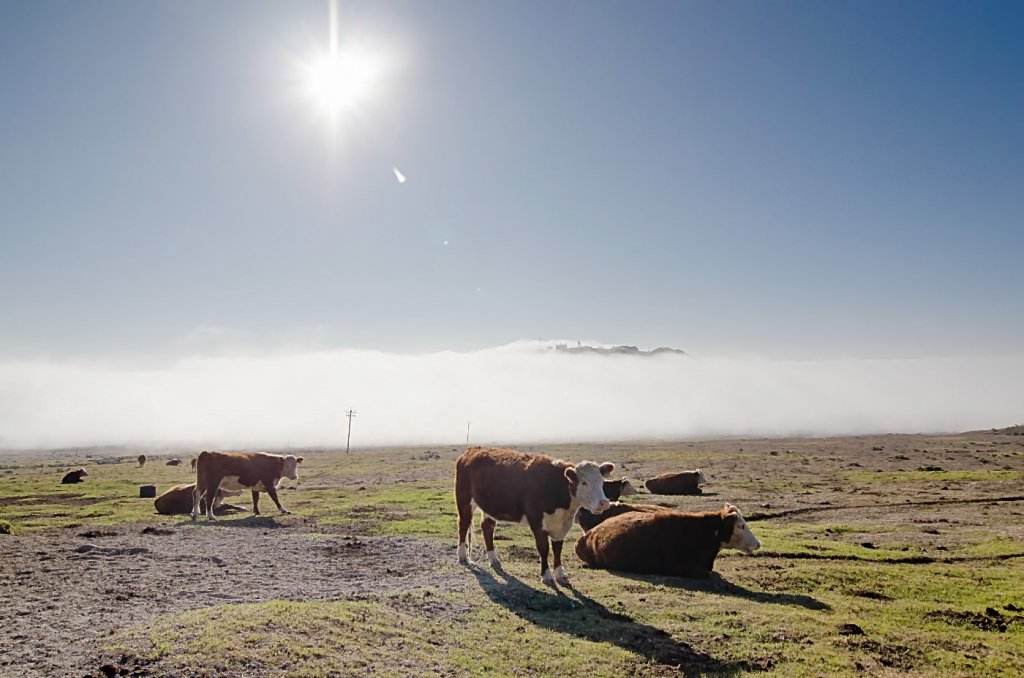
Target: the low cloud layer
pixel 512 394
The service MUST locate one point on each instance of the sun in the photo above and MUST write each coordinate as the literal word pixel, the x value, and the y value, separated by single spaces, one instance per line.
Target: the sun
pixel 340 81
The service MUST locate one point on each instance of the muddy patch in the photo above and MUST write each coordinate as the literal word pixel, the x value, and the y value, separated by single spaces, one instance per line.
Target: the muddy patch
pixel 989 620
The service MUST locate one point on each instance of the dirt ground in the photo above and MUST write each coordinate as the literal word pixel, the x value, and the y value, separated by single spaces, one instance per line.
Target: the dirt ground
pixel 64 591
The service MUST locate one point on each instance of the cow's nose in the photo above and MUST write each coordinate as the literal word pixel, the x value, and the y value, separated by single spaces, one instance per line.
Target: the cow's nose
pixel 602 505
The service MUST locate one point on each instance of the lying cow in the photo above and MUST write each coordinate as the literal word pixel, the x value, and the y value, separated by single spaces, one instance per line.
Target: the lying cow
pixel 589 521
pixel 177 501
pixel 174 462
pixel 614 490
pixel 685 482
pixel 74 477
pixel 513 486
pixel 666 542
pixel 255 471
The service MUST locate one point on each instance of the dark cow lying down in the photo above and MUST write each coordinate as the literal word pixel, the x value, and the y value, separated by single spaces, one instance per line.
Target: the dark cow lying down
pixel 74 477
pixel 666 542
pixel 255 471
pixel 516 487
pixel 177 501
pixel 684 482
pixel 589 521
pixel 613 489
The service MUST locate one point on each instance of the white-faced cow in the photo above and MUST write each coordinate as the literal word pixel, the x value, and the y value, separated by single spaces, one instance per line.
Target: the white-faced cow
pixel 684 482
pixel 74 476
pixel 516 487
pixel 178 501
pixel 666 542
pixel 255 471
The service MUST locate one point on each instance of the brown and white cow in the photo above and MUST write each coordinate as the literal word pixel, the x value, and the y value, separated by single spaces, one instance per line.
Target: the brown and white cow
pixel 614 490
pixel 255 471
pixel 513 486
pixel 72 477
pixel 178 501
pixel 589 521
pixel 666 542
pixel 684 482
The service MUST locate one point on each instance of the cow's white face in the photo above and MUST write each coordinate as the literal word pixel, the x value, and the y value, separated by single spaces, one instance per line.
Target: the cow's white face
pixel 291 467
pixel 588 479
pixel 82 472
pixel 701 478
pixel 742 538
pixel 627 488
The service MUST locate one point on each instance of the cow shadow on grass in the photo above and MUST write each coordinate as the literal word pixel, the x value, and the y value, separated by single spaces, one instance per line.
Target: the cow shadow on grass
pixel 588 619
pixel 717 585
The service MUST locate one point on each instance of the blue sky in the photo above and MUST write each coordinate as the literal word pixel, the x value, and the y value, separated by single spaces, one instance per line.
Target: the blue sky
pixel 784 179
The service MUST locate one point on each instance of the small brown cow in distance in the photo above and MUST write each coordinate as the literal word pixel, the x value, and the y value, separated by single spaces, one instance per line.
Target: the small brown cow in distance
pixel 141 460
pixel 255 471
pixel 514 486
pixel 684 482
pixel 666 542
pixel 589 521
pixel 177 501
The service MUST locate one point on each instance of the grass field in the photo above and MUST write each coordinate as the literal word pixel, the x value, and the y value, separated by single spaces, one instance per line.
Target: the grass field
pixel 894 555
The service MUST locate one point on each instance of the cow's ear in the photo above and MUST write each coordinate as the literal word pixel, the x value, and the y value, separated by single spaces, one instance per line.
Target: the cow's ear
pixel 570 474
pixel 298 460
pixel 607 468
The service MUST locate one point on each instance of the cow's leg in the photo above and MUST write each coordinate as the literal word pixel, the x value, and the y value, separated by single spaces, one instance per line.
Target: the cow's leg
pixel 560 576
pixel 272 491
pixel 255 503
pixel 487 527
pixel 464 507
pixel 210 488
pixel 541 537
pixel 196 493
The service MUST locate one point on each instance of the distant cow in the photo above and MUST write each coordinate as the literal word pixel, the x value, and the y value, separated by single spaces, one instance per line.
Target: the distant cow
pixel 178 501
pixel 255 471
pixel 589 521
pixel 142 460
pixel 74 477
pixel 614 490
pixel 193 462
pixel 173 462
pixel 685 482
pixel 513 486
pixel 666 542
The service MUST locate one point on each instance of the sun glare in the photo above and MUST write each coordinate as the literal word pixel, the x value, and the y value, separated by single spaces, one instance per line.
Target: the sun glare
pixel 343 80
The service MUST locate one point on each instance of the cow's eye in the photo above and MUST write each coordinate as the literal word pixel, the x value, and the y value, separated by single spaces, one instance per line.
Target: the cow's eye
pixel 583 482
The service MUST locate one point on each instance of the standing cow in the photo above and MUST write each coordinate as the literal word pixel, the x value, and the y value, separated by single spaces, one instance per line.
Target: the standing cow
pixel 142 460
pixel 513 486
pixel 255 471
pixel 666 542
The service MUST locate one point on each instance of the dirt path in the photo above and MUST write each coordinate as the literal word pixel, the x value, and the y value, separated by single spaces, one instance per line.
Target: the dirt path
pixel 63 592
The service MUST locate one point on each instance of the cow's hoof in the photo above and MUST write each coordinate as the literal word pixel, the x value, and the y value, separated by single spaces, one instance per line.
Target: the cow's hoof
pixel 547 578
pixel 194 516
pixel 285 511
pixel 492 558
pixel 560 577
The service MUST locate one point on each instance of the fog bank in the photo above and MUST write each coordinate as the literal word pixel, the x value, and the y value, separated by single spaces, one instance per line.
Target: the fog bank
pixel 511 394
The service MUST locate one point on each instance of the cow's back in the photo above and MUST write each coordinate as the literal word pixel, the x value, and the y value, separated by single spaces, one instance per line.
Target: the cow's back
pixel 508 484
pixel 657 542
pixel 683 482
pixel 175 501
pixel 589 521
pixel 249 467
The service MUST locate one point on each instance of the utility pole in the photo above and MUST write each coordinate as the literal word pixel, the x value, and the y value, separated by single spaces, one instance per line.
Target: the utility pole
pixel 467 433
pixel 348 440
